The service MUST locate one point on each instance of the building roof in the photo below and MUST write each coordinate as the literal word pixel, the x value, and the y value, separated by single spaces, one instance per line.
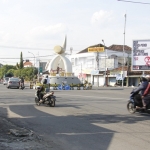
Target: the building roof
pixel 113 47
pixel 86 49
pixel 119 48
pixel 27 64
pixel 125 68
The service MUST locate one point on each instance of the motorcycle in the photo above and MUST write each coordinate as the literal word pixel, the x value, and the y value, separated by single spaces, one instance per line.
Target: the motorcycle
pixel 136 100
pixel 48 99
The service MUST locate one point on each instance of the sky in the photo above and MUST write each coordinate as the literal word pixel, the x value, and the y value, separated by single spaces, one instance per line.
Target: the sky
pixel 37 26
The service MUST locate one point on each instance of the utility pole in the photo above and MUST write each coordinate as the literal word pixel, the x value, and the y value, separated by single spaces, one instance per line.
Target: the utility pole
pixel 105 63
pixel 97 59
pixel 81 73
pixel 71 50
pixel 123 60
pixel 38 67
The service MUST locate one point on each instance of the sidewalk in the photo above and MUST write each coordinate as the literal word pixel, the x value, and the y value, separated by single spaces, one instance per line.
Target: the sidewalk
pixel 27 85
pixel 111 88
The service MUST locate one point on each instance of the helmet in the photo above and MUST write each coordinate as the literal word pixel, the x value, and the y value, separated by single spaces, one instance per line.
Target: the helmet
pixel 148 77
pixel 143 79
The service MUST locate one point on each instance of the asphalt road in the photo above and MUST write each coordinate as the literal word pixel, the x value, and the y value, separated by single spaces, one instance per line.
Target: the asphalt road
pixel 81 120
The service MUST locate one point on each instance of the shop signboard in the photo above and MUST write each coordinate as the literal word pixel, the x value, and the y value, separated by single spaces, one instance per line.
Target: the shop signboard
pixel 96 49
pixel 141 55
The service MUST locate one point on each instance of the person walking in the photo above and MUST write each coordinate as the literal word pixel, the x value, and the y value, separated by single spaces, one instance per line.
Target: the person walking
pixel 22 81
pixel 48 81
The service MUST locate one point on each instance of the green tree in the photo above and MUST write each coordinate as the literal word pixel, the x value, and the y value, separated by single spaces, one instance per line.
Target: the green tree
pixel 10 73
pixel 4 70
pixel 21 61
pixel 17 73
pixel 29 73
pixel 17 66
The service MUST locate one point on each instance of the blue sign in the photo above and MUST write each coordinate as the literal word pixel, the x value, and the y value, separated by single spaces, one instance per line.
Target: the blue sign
pixel 119 77
pixel 40 69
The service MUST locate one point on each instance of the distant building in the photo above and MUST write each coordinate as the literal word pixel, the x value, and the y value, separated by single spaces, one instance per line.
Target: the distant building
pixel 92 66
pixel 27 64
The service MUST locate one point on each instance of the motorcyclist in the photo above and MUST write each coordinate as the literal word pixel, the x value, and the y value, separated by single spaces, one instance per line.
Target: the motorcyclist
pixel 40 93
pixel 146 95
pixel 142 87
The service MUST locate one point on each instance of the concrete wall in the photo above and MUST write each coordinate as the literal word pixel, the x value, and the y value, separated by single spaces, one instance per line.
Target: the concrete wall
pixel 66 80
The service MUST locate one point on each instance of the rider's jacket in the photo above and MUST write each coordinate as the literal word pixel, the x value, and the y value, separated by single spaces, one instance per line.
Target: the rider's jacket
pixel 142 87
pixel 147 91
pixel 40 90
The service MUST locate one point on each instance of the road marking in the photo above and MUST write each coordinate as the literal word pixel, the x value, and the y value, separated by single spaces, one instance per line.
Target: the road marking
pixel 12 104
pixel 93 96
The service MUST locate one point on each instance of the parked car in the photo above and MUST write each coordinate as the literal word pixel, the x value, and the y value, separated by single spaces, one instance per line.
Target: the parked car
pixel 13 83
pixel 5 80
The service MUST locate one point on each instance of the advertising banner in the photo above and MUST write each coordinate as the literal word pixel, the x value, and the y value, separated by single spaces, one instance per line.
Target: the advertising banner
pixel 141 55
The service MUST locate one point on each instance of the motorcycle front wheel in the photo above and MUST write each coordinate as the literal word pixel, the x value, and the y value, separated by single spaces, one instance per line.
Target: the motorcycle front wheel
pixel 36 101
pixel 130 107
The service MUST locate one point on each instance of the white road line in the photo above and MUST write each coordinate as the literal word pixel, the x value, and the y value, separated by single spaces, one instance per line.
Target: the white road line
pixel 99 97
pixel 12 104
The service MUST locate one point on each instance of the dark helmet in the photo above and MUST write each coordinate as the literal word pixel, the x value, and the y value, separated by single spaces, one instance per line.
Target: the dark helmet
pixel 144 79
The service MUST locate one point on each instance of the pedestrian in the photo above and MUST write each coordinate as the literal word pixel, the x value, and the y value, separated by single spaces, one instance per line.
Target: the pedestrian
pixel 22 81
pixel 44 80
pixel 48 81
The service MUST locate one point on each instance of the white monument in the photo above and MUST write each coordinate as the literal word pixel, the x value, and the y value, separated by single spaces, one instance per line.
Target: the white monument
pixel 60 67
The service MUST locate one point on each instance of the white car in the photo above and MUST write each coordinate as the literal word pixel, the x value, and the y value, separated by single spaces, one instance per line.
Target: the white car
pixel 5 81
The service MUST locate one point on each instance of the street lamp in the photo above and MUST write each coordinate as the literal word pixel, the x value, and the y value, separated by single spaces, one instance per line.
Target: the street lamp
pixel 34 63
pixel 105 62
pixel 33 56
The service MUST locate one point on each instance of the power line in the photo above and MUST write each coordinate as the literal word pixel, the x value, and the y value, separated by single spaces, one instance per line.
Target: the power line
pixel 29 57
pixel 13 47
pixel 134 2
pixel 28 48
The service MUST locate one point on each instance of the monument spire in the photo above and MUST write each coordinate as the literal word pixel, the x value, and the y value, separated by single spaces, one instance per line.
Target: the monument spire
pixel 65 44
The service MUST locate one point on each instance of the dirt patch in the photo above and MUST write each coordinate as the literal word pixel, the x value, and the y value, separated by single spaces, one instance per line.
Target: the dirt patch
pixel 13 137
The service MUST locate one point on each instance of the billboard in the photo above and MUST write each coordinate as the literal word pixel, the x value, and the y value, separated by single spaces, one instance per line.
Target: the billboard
pixel 141 55
pixel 96 49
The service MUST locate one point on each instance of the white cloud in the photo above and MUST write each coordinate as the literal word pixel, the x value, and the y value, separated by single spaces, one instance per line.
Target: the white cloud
pixel 102 17
pixel 44 31
pixel 44 36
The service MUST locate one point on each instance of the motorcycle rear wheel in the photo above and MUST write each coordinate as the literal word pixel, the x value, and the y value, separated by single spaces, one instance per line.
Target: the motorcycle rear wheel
pixel 52 104
pixel 130 107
